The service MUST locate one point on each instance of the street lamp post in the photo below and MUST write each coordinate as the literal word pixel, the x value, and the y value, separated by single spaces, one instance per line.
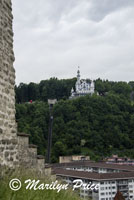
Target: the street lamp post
pixel 51 102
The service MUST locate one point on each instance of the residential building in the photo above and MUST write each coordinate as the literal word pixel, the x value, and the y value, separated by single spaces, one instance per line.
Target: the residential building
pixel 119 160
pixel 111 178
pixel 67 159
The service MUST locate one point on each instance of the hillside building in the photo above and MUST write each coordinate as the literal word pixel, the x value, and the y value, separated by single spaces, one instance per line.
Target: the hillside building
pixel 82 87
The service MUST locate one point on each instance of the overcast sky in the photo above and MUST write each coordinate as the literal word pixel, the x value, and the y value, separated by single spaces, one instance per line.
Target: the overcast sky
pixel 53 37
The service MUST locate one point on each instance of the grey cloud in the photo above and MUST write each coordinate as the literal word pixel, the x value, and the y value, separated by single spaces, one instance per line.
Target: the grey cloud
pixel 101 8
pixel 53 37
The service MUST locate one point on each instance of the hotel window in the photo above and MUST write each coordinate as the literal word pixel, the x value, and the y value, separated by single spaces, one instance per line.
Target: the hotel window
pixel 102 194
pixel 102 188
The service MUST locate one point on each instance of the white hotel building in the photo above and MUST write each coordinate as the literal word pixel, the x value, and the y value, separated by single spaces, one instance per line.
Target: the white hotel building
pixel 110 178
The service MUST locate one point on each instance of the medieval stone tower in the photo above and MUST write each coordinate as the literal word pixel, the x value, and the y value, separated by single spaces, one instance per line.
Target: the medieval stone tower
pixel 15 149
pixel 8 130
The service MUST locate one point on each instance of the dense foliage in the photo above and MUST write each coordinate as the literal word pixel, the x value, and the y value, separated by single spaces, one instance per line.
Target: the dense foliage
pixel 47 89
pixel 60 89
pixel 97 125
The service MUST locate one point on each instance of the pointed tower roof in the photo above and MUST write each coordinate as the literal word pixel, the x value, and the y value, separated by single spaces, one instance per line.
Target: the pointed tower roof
pixel 119 196
pixel 78 72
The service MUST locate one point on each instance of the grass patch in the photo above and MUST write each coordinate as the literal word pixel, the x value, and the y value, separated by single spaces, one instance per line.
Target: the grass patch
pixel 7 194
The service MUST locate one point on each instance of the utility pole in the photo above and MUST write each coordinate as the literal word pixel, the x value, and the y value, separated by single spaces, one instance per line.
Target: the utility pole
pixel 51 102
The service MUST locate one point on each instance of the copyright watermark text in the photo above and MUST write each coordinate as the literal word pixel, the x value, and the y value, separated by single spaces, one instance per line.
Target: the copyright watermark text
pixel 15 185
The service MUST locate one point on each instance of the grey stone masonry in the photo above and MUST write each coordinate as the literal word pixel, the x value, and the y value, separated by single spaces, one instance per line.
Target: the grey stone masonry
pixel 15 150
pixel 28 157
pixel 8 129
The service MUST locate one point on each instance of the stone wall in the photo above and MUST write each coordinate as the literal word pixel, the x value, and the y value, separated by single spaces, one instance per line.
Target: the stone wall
pixel 8 129
pixel 15 150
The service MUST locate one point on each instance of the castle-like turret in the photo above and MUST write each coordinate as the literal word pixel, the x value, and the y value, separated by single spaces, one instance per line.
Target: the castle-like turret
pixel 82 88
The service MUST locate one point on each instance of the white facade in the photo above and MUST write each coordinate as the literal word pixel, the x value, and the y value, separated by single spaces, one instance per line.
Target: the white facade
pixel 93 169
pixel 82 88
pixel 107 188
pixel 110 179
pixel 131 189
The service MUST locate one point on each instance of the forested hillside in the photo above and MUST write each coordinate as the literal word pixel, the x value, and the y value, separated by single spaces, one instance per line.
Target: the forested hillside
pixel 97 125
pixel 47 89
pixel 60 89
